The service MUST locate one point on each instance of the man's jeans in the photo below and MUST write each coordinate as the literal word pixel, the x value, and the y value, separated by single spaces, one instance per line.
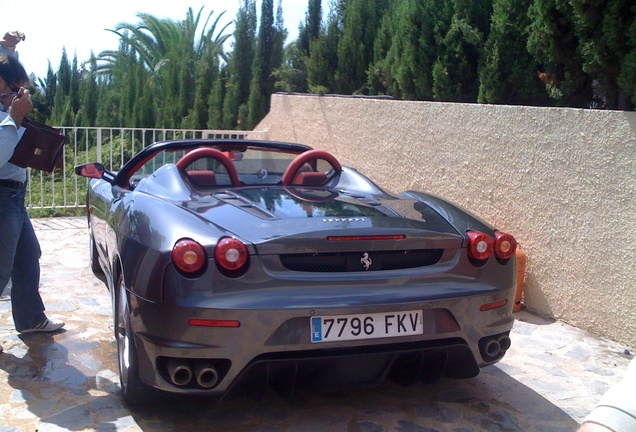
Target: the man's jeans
pixel 19 259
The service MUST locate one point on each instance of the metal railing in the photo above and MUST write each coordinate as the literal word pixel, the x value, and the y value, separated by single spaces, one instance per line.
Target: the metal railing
pixel 109 146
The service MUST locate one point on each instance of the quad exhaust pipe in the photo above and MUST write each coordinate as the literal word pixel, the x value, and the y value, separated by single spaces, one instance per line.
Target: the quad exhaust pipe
pixel 206 375
pixel 203 373
pixel 494 347
pixel 504 343
pixel 180 372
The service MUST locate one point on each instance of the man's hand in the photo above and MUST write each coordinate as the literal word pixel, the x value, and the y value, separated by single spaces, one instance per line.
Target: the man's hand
pixel 21 106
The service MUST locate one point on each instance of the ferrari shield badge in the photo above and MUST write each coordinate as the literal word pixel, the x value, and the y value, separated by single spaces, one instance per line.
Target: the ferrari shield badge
pixel 366 261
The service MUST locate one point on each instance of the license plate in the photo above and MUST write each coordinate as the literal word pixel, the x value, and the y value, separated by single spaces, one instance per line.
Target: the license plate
pixel 366 326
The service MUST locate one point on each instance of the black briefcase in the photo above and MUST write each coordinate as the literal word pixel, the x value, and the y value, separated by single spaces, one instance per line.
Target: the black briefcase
pixel 41 147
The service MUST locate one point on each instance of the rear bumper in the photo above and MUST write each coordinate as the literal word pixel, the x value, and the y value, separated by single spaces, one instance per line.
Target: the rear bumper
pixel 274 345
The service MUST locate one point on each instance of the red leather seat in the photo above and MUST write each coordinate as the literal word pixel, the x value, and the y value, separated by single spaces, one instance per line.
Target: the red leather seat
pixel 310 178
pixel 202 177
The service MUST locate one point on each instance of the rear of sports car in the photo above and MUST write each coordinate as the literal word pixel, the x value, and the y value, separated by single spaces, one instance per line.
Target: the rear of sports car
pixel 325 289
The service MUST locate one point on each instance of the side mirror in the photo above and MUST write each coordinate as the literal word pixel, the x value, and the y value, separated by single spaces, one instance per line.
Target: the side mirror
pixel 90 170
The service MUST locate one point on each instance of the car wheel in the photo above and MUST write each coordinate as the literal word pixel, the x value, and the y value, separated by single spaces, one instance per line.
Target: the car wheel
pixel 135 392
pixel 94 258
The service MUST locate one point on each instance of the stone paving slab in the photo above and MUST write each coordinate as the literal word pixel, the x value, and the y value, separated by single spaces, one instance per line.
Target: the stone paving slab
pixel 550 379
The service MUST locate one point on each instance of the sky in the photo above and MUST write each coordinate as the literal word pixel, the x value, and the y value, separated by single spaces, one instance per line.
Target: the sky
pixel 78 25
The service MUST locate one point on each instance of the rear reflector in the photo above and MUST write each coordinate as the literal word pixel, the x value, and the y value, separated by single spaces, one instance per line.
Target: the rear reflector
pixel 195 322
pixel 493 305
pixel 367 237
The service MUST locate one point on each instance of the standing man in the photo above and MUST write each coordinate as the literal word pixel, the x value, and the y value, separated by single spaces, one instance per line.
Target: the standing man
pixel 19 247
pixel 8 47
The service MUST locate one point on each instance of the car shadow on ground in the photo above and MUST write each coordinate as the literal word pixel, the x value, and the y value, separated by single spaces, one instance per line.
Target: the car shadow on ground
pixel 63 397
pixel 493 401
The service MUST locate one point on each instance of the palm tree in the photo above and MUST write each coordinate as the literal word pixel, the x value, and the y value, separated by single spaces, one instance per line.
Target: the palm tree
pixel 159 41
pixel 169 51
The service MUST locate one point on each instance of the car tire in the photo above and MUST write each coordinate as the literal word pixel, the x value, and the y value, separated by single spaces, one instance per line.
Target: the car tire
pixel 134 391
pixel 94 258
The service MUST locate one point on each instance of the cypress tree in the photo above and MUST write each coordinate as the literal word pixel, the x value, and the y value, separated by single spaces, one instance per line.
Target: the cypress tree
pixel 317 67
pixel 64 74
pixel 262 85
pixel 508 73
pixel 461 51
pixel 89 94
pixel 332 39
pixel 60 114
pixel 73 94
pixel 278 51
pixel 145 102
pixel 128 92
pixel 553 43
pixel 240 63
pixel 355 48
pixel 628 67
pixel 215 100
pixel 50 87
pixel 379 80
pixel 415 47
pixel 601 29
pixel 310 29
pixel 206 76
pixel 291 76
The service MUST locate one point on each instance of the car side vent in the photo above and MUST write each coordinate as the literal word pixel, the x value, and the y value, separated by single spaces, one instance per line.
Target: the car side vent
pixel 244 204
pixel 361 261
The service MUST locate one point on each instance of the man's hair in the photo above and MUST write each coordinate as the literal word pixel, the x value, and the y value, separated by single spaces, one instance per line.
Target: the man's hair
pixel 12 71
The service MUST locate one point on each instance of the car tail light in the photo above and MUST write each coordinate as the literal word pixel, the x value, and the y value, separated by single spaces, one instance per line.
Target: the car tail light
pixel 188 256
pixel 231 255
pixel 480 245
pixel 505 245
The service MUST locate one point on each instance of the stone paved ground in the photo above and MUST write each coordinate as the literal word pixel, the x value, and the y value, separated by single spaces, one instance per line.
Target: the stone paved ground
pixel 552 376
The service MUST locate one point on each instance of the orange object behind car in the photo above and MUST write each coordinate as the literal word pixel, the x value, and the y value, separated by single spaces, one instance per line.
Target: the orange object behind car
pixel 521 269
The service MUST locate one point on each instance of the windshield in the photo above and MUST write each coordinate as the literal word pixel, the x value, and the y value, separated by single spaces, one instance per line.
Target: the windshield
pixel 261 166
pixel 254 165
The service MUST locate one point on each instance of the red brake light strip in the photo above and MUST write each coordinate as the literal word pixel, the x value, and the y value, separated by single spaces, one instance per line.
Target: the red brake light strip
pixel 367 237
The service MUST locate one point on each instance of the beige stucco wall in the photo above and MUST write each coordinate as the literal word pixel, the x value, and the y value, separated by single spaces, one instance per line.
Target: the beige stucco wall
pixel 560 180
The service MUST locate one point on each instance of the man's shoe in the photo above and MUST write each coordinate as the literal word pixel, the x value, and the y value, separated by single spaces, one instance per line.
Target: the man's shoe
pixel 45 326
